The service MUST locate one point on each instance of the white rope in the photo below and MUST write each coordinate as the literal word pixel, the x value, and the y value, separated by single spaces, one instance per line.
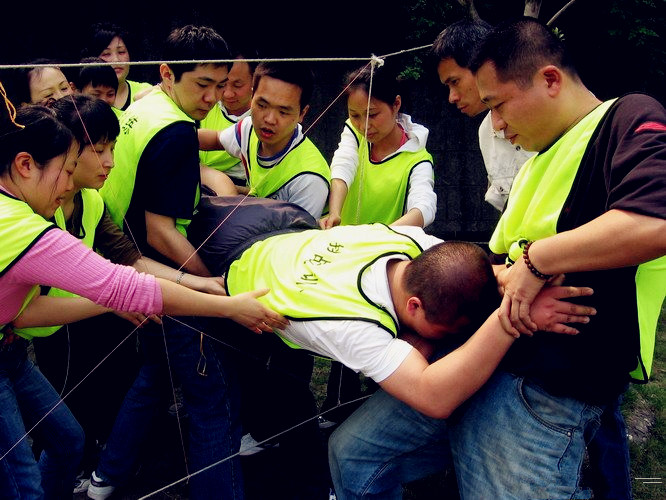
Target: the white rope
pixel 214 61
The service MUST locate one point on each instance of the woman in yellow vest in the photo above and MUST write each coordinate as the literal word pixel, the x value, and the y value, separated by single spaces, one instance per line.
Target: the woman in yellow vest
pixel 68 357
pixel 382 174
pixel 107 41
pixel 37 160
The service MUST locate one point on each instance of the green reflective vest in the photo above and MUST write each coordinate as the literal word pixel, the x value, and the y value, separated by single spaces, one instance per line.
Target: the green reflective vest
pixel 219 160
pixel 539 192
pixel 20 229
pixel 316 274
pixel 93 210
pixel 138 125
pixel 304 158
pixel 379 190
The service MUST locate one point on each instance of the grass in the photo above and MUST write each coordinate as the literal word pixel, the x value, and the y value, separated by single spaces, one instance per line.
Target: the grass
pixel 645 412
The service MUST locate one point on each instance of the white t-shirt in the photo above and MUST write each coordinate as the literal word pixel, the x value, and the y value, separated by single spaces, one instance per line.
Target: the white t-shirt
pixel 309 191
pixel 502 160
pixel 362 346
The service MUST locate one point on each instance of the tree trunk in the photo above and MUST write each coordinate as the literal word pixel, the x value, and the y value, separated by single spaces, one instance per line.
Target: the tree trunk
pixel 532 8
pixel 469 4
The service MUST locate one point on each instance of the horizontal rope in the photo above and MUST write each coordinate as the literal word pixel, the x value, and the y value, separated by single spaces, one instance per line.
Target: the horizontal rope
pixel 209 61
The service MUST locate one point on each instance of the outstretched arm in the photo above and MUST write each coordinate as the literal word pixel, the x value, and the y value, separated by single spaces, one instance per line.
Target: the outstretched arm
pixel 438 389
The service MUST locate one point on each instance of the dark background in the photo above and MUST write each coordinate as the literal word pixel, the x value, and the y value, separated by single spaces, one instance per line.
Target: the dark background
pixel 618 45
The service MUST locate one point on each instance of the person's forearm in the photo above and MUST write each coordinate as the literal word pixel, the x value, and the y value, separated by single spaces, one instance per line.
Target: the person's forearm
pixel 45 310
pixel 614 239
pixel 180 251
pixel 336 199
pixel 438 389
pixel 412 218
pixel 209 140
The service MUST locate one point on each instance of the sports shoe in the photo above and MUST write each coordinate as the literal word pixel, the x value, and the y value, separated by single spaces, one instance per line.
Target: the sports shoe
pixel 81 484
pixel 331 494
pixel 99 489
pixel 250 446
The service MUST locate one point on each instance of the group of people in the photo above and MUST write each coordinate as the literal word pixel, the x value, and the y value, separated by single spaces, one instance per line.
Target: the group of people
pixel 211 203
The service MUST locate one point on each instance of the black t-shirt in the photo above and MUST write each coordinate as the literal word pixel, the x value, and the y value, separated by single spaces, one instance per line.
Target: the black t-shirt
pixel 166 181
pixel 624 167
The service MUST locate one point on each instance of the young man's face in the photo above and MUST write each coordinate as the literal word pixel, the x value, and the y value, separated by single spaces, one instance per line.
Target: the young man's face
pixel 526 115
pixel 462 87
pixel 237 94
pixel 276 111
pixel 198 90
pixel 103 92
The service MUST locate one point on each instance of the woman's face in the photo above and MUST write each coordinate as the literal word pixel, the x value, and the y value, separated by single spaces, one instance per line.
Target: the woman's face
pixel 116 52
pixel 52 183
pixel 48 84
pixel 381 117
pixel 95 163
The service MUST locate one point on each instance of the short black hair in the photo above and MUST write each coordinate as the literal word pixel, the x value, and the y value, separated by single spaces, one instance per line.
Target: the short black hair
pixel 91 120
pixel 43 135
pixel 519 48
pixel 453 280
pixel 460 41
pixel 95 75
pixel 385 82
pixel 294 72
pixel 99 37
pixel 194 43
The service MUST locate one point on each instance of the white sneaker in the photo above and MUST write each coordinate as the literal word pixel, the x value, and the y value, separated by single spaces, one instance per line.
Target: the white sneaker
pixel 99 489
pixel 81 484
pixel 250 446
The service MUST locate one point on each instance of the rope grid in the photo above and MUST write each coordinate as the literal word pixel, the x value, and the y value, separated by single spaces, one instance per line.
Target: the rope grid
pixel 373 62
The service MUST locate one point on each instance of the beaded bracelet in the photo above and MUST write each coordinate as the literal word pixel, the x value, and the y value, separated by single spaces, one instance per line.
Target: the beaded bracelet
pixel 180 277
pixel 530 266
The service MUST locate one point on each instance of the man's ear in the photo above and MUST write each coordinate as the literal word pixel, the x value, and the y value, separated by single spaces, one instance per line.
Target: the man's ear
pixel 413 305
pixel 303 113
pixel 24 164
pixel 552 76
pixel 165 73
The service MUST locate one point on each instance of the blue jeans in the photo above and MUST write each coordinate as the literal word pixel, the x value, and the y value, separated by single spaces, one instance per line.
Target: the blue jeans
pixel 513 440
pixel 25 397
pixel 383 444
pixel 510 440
pixel 210 400
pixel 610 471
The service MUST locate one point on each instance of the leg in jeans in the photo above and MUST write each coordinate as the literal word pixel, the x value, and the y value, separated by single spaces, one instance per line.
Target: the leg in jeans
pixel 25 393
pixel 514 440
pixel 382 445
pixel 206 396
pixel 610 473
pixel 210 394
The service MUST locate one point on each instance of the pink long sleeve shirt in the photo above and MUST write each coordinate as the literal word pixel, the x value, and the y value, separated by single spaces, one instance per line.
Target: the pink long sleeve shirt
pixel 58 259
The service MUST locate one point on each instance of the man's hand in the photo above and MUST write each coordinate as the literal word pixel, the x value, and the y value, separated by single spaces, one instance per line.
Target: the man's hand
pixel 520 289
pixel 551 313
pixel 329 221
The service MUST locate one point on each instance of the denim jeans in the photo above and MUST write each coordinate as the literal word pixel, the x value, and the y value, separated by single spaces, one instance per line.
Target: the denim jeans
pixel 610 471
pixel 25 397
pixel 383 444
pixel 210 400
pixel 511 440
